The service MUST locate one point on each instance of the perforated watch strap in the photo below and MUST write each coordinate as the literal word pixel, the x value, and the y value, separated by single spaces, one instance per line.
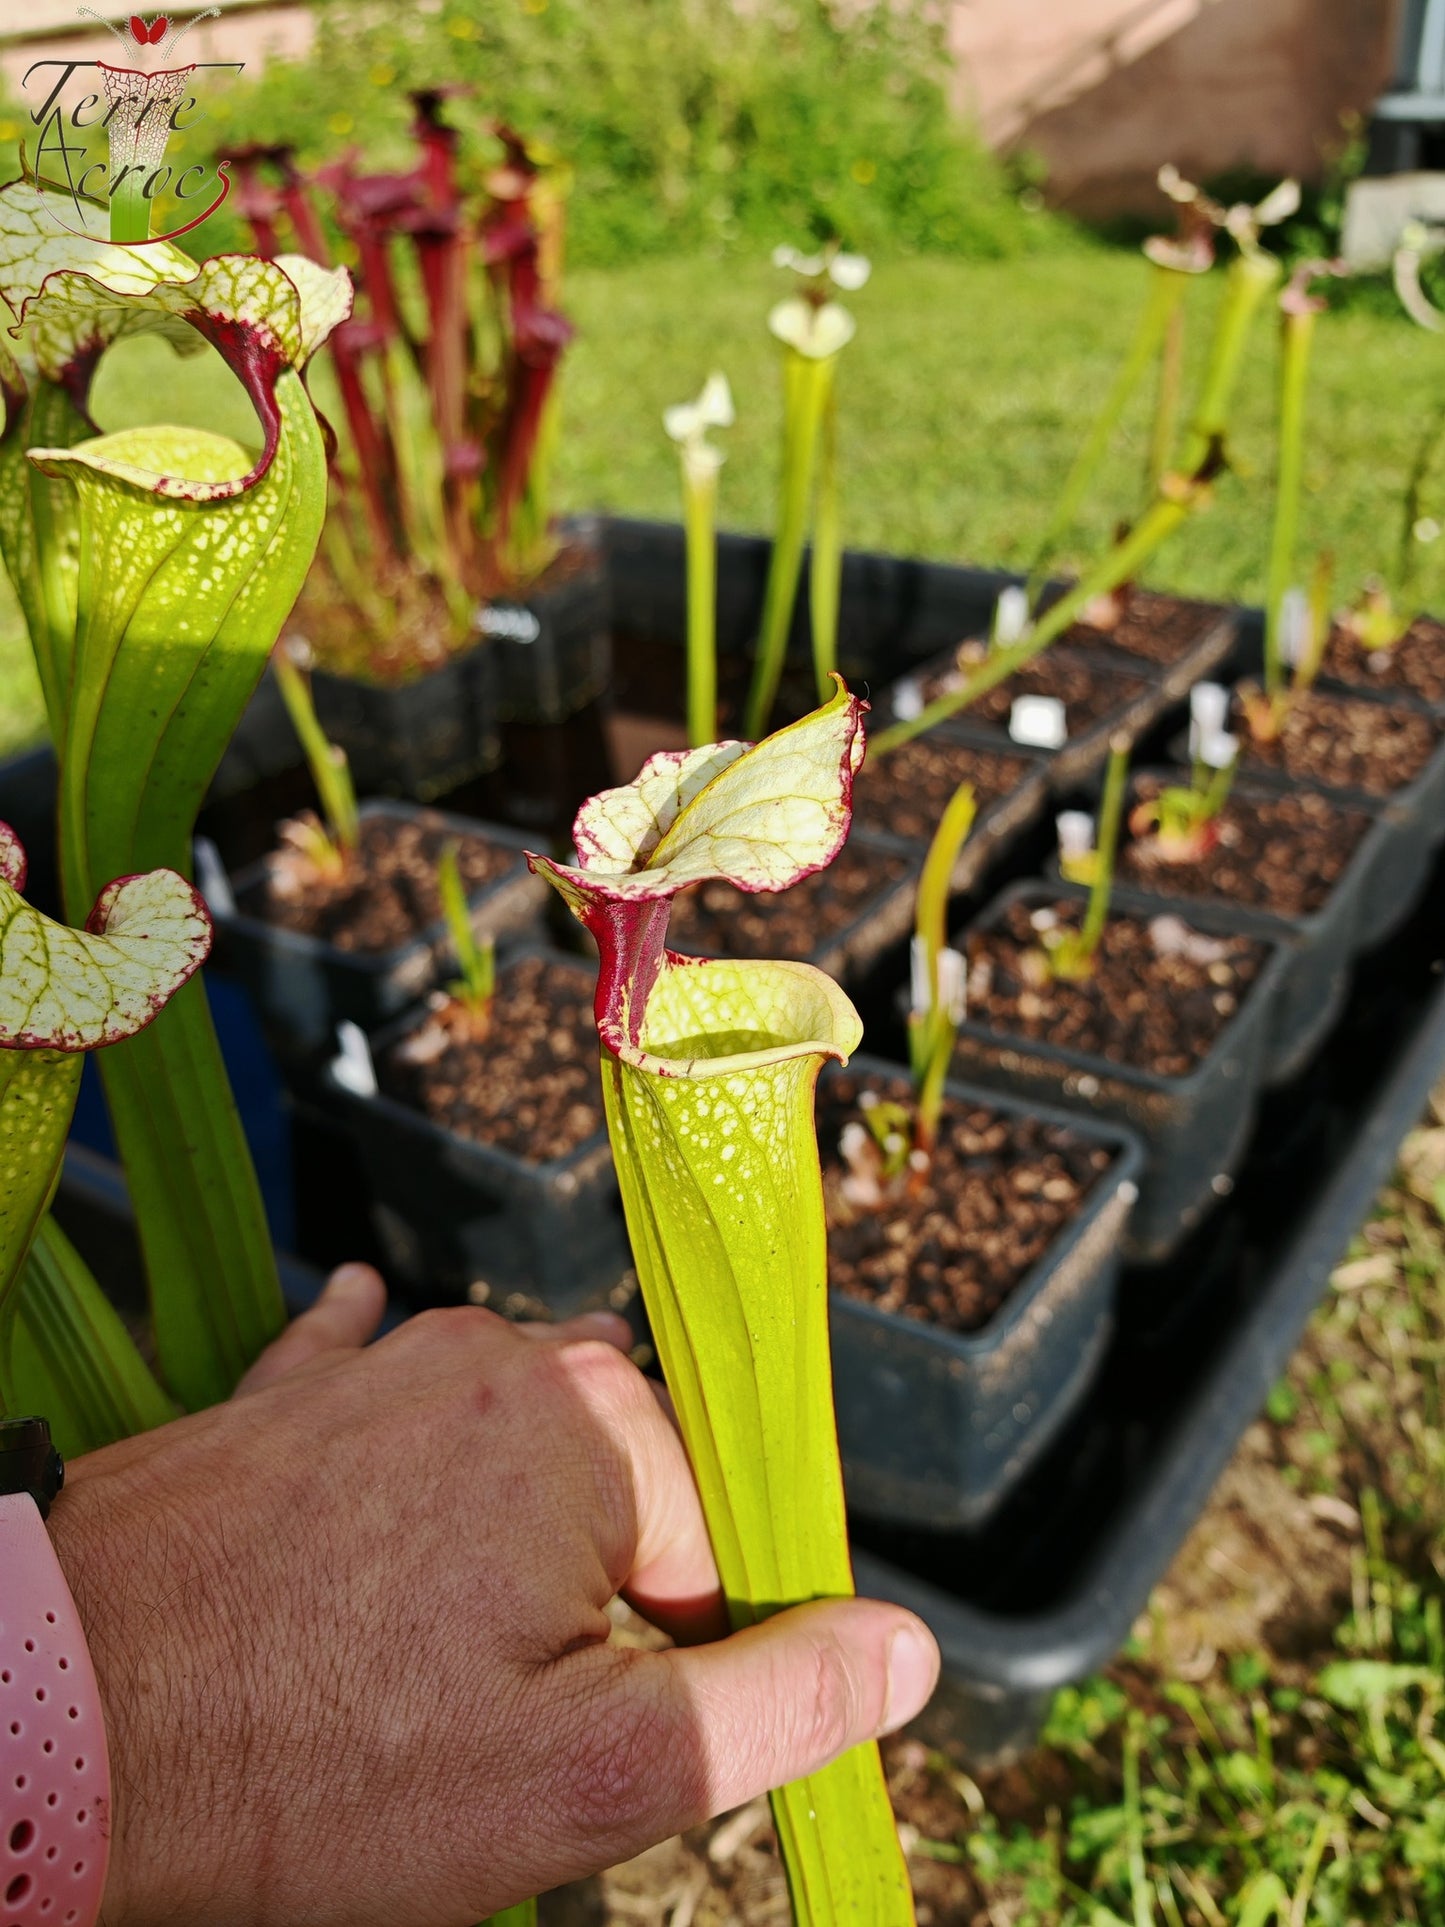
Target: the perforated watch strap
pixel 54 1770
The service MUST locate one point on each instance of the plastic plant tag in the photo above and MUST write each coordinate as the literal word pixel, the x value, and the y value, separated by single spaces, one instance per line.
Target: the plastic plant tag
pixel 1295 626
pixel 952 982
pixel 1208 713
pixel 1076 834
pixel 908 699
pixel 352 1067
pixel 1038 721
pixel 1010 615
pixel 1218 749
pixel 212 879
pixel 708 1073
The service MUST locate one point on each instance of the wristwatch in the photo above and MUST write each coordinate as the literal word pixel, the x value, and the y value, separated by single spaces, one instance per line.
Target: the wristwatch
pixel 54 1768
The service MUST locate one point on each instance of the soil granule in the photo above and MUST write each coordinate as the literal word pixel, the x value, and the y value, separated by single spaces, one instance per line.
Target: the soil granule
pixel 1158 628
pixel 1090 691
pixel 530 1086
pixel 718 920
pixel 1415 664
pixel 386 896
pixel 1154 1010
pixel 1346 743
pixel 905 792
pixel 999 1191
pixel 1280 853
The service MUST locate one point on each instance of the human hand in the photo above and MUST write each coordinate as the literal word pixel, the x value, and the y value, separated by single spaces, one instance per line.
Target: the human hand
pixel 350 1632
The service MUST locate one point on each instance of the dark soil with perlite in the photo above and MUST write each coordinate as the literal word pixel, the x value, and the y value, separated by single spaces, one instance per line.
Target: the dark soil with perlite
pixel 1415 664
pixel 716 920
pixel 999 1191
pixel 1159 996
pixel 1089 692
pixel 904 793
pixel 1283 854
pixel 386 895
pixel 1156 628
pixel 1346 743
pixel 529 1086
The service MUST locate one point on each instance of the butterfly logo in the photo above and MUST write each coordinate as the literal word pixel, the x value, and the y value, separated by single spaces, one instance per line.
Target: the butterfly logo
pixel 152 35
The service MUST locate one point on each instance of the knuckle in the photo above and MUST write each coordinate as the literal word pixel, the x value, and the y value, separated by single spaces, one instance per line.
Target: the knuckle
pixel 445 1327
pixel 603 1374
pixel 832 1713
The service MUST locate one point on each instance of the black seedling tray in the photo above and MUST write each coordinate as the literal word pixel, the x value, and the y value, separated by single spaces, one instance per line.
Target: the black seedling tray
pixel 1048 1591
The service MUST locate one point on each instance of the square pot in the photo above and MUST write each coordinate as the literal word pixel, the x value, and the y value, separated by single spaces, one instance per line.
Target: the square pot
pixel 1194 1128
pixel 552 646
pixel 303 986
pixel 1141 702
pixel 416 739
pixel 937 1427
pixel 1319 947
pixel 451 1212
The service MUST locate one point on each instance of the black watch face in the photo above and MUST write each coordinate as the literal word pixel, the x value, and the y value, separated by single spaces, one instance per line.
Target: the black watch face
pixel 28 1460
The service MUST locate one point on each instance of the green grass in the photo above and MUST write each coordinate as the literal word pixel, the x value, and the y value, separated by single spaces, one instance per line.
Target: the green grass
pixel 963 399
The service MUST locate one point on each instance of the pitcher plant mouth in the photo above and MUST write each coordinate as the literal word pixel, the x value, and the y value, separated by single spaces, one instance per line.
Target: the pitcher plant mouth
pixel 722 1019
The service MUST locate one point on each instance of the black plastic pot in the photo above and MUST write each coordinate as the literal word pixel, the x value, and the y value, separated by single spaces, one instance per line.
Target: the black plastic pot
pixel 303 986
pixel 883 920
pixel 1319 948
pixel 1415 814
pixel 416 739
pixel 553 645
pixel 1194 1128
pixel 999 824
pixel 453 1215
pixel 1048 1592
pixel 1135 713
pixel 937 1427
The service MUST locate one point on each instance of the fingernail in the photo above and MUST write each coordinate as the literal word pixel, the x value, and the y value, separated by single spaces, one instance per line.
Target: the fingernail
pixel 912 1674
pixel 350 1281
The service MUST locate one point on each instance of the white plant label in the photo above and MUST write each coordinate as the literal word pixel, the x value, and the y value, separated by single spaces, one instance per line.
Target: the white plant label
pixel 352 1066
pixel 1040 722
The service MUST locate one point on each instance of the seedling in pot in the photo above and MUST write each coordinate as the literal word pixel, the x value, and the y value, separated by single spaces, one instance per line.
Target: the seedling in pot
pixel 1069 954
pixel 326 848
pixel 700 459
pixel 814 329
pixel 893 1145
pixel 1180 494
pixel 1296 624
pixel 476 957
pixel 708 1071
pixel 1181 823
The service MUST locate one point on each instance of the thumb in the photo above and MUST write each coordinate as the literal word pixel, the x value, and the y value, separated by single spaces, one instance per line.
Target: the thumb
pixel 783 1698
pixel 344 1317
pixel 674 1738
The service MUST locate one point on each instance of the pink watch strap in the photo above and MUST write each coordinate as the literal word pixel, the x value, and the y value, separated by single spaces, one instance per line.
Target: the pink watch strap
pixel 54 1769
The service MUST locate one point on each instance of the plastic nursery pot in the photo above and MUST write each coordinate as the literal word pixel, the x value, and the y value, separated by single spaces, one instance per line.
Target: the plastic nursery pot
pixel 1415 812
pixel 899 798
pixel 841 940
pixel 1194 1128
pixel 1122 700
pixel 416 739
pixel 1172 638
pixel 552 646
pixel 303 986
pixel 1319 947
pixel 454 1215
pixel 936 1427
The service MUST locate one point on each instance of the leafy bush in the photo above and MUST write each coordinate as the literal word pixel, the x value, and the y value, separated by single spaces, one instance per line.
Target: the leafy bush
pixel 692 125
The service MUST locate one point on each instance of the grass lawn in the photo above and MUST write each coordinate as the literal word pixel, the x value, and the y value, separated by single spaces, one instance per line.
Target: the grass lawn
pixel 964 397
